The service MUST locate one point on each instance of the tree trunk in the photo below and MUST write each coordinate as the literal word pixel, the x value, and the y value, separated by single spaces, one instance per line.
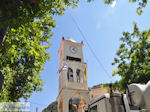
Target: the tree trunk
pixel 2 38
pixel 1 81
pixel 2 35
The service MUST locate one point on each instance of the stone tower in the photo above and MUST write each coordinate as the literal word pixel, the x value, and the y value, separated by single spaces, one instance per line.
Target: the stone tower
pixel 73 89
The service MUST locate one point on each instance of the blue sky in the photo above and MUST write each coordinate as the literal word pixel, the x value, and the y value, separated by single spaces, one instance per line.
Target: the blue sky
pixel 102 26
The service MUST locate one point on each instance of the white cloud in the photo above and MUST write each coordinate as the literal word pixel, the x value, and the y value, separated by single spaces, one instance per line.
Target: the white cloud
pixel 113 4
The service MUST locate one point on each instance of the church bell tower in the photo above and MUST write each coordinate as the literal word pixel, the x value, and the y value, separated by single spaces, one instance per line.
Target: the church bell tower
pixel 73 89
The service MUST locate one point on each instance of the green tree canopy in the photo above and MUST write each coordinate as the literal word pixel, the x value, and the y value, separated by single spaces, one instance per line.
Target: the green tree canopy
pixel 133 57
pixel 15 13
pixel 28 25
pixel 22 57
pixel 141 4
pixel 24 51
pixel 51 107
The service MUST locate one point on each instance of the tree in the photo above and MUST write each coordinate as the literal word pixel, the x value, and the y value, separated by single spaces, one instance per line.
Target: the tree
pixel 23 52
pixel 22 57
pixel 1 81
pixel 15 13
pixel 133 57
pixel 141 4
pixel 51 107
pixel 24 24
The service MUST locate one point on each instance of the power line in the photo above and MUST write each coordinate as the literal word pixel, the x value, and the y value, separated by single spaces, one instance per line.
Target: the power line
pixel 94 54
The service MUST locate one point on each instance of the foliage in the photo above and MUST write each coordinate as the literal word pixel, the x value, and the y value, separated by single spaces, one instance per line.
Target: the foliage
pixel 51 108
pixel 133 57
pixel 1 81
pixel 141 4
pixel 20 12
pixel 24 51
pixel 15 13
pixel 101 85
pixel 107 85
pixel 22 57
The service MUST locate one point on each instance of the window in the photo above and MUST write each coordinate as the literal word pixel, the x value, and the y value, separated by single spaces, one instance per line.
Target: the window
pixel 78 75
pixel 70 75
pixel 73 59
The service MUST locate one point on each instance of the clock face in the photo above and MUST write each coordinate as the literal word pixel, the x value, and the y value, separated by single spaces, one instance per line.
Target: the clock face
pixel 73 49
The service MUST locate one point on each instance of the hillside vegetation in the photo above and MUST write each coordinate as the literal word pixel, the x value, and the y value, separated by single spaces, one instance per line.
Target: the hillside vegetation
pixel 51 108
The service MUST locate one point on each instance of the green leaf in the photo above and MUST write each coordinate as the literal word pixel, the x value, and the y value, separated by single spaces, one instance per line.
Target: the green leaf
pixel 133 58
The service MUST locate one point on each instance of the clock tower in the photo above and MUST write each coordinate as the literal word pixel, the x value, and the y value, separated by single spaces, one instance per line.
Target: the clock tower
pixel 73 89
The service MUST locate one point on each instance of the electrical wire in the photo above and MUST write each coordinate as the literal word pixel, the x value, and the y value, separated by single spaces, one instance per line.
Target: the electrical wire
pixel 92 51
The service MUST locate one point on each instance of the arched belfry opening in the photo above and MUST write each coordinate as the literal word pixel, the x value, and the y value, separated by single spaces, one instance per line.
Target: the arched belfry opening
pixel 73 90
pixel 77 104
pixel 70 75
pixel 78 76
pixel 72 106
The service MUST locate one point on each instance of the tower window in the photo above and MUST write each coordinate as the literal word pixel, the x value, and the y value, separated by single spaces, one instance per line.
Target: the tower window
pixel 70 75
pixel 73 58
pixel 78 75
